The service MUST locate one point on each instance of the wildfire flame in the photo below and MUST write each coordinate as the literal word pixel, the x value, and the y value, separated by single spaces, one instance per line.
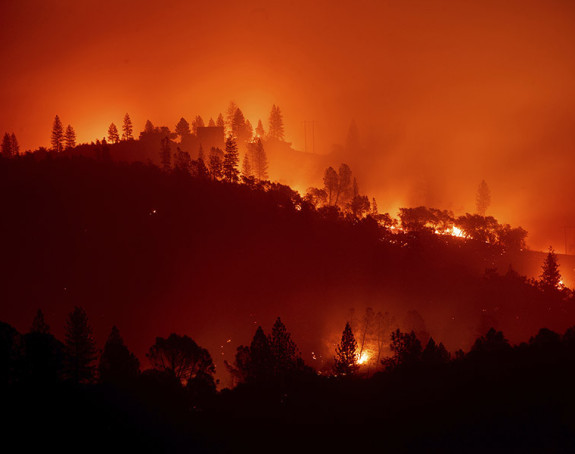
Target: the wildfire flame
pixel 363 358
pixel 456 231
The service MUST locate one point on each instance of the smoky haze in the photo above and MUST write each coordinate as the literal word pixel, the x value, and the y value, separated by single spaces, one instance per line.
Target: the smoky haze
pixel 444 93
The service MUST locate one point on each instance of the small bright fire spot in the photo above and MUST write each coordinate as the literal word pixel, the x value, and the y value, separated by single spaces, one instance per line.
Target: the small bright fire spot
pixel 363 358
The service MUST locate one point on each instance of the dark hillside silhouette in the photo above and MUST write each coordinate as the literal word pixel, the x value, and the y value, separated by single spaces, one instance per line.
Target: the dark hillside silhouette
pixel 131 242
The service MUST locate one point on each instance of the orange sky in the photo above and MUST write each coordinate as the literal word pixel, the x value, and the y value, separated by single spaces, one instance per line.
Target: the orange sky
pixel 445 93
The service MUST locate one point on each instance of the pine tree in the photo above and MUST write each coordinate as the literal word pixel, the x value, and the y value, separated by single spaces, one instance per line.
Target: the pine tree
pixel 113 135
pixel 15 146
pixel 197 123
pixel 276 125
pixel 117 364
pixel 231 161
pixel 220 121
pixel 70 137
pixel 127 128
pixel 80 347
pixel 39 325
pixel 283 349
pixel 374 211
pixel 483 199
pixel 248 131
pixel 239 126
pixel 57 135
pixel 211 123
pixel 149 127
pixel 260 132
pixel 346 356
pixel 216 163
pixel 183 128
pixel 7 146
pixel 435 354
pixel 246 167
pixel 260 161
pixel 550 276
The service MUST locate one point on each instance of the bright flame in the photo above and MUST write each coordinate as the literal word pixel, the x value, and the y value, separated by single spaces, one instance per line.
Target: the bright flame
pixel 456 231
pixel 364 357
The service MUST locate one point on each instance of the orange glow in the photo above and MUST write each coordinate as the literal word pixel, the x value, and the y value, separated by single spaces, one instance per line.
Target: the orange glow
pixel 444 93
pixel 363 358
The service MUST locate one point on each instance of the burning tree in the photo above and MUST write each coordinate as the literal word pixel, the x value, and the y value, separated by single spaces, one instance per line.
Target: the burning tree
pixel 550 276
pixel 346 357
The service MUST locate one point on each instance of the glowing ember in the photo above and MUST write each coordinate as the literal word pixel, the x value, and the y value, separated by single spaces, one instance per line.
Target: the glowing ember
pixel 364 357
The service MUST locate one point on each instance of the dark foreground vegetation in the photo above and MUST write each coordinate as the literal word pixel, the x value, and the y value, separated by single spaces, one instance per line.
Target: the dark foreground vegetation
pixel 158 252
pixel 494 398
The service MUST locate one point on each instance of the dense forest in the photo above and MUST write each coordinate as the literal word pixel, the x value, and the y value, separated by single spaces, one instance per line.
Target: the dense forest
pixel 396 323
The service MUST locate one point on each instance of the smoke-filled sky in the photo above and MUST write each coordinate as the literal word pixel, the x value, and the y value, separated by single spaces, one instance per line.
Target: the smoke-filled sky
pixel 444 93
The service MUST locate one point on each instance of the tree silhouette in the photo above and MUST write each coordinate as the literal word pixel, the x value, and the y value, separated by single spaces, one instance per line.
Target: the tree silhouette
pixel 260 132
pixel 330 182
pixel 239 126
pixel 406 350
pixel 181 356
pixel 343 184
pixel 70 137
pixel 127 128
pixel 254 364
pixel 117 364
pixel 493 341
pixel 183 161
pixel 211 123
pixel 249 130
pixel 220 121
pixel 183 128
pixel 80 347
pixel 365 328
pixel 346 355
pixel 197 123
pixel 317 197
pixel 57 135
pixel 246 167
pixel 15 146
pixel 39 325
pixel 435 354
pixel 113 135
pixel 550 278
pixel 276 125
pixel 7 151
pixel 284 351
pixel 483 198
pixel 259 160
pixel 231 161
pixel 43 359
pixel 359 205
pixel 149 127
pixel 216 163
